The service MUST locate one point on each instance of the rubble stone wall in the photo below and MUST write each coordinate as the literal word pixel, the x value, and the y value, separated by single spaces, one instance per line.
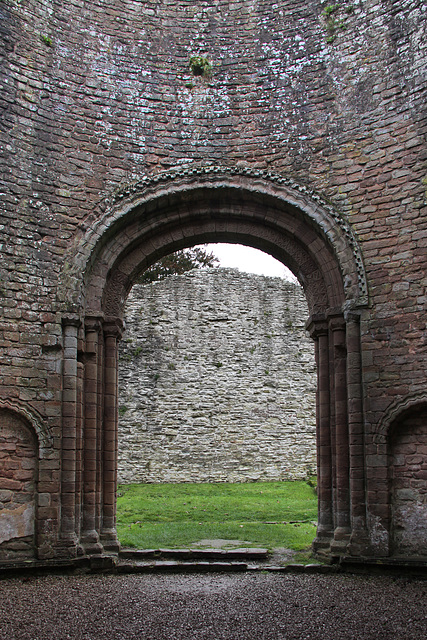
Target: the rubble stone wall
pixel 217 381
pixel 409 484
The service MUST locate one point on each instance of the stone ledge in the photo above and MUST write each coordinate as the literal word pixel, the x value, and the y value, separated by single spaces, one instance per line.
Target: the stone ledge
pixel 112 565
pixel 401 566
pixel 208 554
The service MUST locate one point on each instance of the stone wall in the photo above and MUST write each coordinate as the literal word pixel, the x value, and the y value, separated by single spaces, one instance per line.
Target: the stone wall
pixel 409 486
pixel 18 465
pixel 306 140
pixel 217 381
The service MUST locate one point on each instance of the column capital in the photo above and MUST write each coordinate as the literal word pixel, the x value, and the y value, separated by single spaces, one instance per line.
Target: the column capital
pixel 113 327
pixel 93 323
pixel 353 316
pixel 317 325
pixel 336 321
pixel 71 320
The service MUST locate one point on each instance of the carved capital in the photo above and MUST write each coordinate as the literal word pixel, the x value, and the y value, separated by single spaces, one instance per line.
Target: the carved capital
pixel 113 327
pixel 352 316
pixel 71 320
pixel 93 323
pixel 317 325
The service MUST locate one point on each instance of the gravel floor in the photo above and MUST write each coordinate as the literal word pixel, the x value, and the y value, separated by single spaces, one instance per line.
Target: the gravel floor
pixel 213 606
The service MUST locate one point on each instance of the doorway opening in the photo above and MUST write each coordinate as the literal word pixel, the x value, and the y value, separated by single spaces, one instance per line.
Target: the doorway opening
pixel 201 205
pixel 217 384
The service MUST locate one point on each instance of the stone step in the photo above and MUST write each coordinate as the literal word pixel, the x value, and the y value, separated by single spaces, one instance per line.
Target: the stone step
pixel 243 554
pixel 160 566
pixel 178 566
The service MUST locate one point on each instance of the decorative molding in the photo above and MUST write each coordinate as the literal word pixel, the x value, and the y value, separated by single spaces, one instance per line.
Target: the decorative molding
pixel 335 227
pixel 397 408
pixel 32 417
pixel 215 171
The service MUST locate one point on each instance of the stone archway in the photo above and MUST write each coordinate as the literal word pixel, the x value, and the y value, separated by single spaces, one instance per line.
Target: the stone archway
pixel 408 473
pixel 18 490
pixel 154 217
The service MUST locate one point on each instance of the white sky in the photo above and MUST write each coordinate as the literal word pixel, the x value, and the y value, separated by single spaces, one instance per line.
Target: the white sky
pixel 249 260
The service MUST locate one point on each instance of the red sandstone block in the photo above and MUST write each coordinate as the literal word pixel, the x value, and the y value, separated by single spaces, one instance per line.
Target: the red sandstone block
pixel 9 483
pixel 68 454
pixel 414 459
pixel 47 513
pixel 48 465
pixel 374 462
pixel 417 483
pixel 68 496
pixel 47 487
pixel 377 474
pixel 45 476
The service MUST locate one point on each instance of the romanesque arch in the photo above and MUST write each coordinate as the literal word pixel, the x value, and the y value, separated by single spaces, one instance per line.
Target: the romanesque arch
pixel 153 217
pixel 401 437
pixel 18 484
pixel 408 472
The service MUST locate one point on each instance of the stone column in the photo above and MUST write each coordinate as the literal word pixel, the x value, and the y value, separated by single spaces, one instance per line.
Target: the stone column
pixel 112 333
pixel 69 433
pixel 79 445
pixel 319 331
pixel 359 542
pixel 90 534
pixel 342 462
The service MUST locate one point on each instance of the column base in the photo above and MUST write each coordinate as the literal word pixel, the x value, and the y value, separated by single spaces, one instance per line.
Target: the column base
pixel 68 547
pixel 360 544
pixel 91 544
pixel 322 542
pixel 341 541
pixel 110 541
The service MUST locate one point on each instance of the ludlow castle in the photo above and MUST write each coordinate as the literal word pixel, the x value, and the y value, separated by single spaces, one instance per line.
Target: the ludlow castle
pixel 133 129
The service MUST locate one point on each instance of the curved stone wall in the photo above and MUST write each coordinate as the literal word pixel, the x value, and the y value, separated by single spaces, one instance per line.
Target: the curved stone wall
pixel 115 153
pixel 18 469
pixel 211 387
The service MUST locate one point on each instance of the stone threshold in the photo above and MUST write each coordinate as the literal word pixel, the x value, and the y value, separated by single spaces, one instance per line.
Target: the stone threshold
pixel 237 553
pixel 393 565
pixel 173 566
pixel 208 561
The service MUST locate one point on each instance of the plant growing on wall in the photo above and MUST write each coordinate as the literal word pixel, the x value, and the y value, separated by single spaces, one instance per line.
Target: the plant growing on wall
pixel 200 66
pixel 335 16
pixel 46 39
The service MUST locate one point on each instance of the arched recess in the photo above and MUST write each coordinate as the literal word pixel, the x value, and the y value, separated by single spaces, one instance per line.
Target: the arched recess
pixel 403 434
pixel 18 484
pixel 156 216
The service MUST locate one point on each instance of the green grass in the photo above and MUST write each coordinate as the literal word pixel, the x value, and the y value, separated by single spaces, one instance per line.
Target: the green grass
pixel 267 514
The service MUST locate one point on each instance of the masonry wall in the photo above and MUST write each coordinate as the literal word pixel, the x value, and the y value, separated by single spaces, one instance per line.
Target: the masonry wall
pixel 96 95
pixel 409 486
pixel 18 466
pixel 217 381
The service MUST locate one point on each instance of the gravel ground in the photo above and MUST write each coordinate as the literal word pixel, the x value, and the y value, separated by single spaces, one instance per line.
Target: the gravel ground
pixel 213 606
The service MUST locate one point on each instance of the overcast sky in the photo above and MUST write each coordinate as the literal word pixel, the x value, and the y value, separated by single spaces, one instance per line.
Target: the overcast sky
pixel 250 260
